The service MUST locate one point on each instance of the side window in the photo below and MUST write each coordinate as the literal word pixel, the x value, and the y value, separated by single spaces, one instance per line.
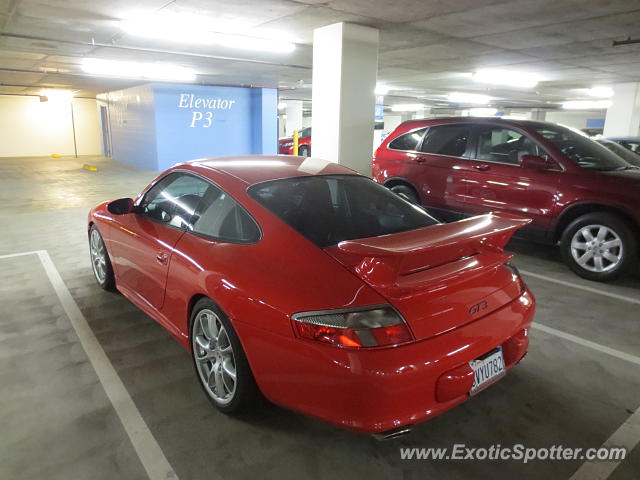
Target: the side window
pixel 220 216
pixel 408 141
pixel 174 199
pixel 306 132
pixel 503 145
pixel 450 140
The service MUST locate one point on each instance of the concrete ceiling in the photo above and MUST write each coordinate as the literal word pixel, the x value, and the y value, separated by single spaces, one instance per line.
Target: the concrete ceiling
pixel 427 47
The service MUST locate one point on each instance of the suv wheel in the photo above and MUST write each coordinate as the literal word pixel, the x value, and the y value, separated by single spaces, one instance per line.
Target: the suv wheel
pixel 599 246
pixel 406 192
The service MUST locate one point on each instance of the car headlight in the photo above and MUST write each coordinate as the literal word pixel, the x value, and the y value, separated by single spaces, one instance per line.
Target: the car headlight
pixel 357 328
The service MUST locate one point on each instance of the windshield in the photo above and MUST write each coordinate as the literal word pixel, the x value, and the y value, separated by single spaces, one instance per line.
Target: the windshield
pixel 328 209
pixel 627 155
pixel 582 150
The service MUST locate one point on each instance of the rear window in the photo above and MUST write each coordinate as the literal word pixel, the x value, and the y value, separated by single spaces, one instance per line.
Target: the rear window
pixel 408 141
pixel 449 140
pixel 328 209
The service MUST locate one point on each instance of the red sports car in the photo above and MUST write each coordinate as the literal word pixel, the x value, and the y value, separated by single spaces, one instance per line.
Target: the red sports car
pixel 317 287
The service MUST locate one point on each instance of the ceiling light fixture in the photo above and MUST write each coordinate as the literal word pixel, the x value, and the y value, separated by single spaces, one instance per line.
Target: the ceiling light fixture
pixel 52 95
pixel 586 104
pixel 149 71
pixel 382 89
pixel 600 92
pixel 407 107
pixel 195 30
pixel 506 77
pixel 476 98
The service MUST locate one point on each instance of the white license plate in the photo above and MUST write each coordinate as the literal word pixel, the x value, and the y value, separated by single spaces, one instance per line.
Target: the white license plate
pixel 487 369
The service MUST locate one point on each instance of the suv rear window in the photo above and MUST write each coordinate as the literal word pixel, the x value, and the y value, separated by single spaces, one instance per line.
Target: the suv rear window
pixel 408 141
pixel 328 209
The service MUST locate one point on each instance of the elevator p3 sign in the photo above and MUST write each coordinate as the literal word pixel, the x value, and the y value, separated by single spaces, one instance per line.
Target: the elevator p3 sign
pixel 203 108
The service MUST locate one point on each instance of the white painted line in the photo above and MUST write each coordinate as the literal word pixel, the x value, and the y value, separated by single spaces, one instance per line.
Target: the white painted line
pixel 587 343
pixel 21 254
pixel 628 436
pixel 585 288
pixel 153 460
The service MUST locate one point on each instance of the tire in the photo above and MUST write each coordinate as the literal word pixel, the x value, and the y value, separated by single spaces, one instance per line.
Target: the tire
pixel 304 151
pixel 224 354
pixel 599 246
pixel 100 261
pixel 406 192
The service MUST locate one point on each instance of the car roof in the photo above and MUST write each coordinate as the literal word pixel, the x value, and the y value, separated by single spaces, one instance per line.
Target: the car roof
pixel 252 169
pixel 411 124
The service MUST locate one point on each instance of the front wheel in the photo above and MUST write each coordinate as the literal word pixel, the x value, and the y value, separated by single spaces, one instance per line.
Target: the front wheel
pixel 100 262
pixel 219 359
pixel 304 151
pixel 599 246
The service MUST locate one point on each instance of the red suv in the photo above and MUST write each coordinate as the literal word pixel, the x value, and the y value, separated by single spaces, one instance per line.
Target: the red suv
pixel 577 192
pixel 285 145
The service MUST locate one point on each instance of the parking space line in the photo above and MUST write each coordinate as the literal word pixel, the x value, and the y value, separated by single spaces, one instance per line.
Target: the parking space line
pixel 581 287
pixel 149 452
pixel 587 343
pixel 628 436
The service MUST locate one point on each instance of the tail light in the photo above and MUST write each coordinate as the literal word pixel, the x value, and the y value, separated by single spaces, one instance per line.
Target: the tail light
pixel 516 275
pixel 358 328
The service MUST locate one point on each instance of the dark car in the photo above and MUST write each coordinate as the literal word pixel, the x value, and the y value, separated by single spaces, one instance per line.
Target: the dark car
pixel 285 145
pixel 630 143
pixel 626 154
pixel 577 192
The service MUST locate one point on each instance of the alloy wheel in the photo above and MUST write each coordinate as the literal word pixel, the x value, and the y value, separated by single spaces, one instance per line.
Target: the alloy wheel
pixel 597 248
pixel 98 256
pixel 213 353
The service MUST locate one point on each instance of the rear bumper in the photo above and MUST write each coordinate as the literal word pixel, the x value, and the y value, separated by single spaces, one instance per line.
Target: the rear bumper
pixel 379 390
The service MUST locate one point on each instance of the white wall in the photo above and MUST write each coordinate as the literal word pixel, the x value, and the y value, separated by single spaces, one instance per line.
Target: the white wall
pixel 573 119
pixel 30 128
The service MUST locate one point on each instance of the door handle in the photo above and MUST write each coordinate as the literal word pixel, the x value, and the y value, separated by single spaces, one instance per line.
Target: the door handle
pixel 482 167
pixel 162 258
pixel 419 159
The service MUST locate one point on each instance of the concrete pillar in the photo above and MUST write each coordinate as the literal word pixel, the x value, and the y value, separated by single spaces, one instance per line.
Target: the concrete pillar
pixel 623 116
pixel 294 116
pixel 538 114
pixel 345 65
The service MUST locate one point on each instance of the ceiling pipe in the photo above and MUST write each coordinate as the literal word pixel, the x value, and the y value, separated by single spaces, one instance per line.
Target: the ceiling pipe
pixel 628 41
pixel 150 50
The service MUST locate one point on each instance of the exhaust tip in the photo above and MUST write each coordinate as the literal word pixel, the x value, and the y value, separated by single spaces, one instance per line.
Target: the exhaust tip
pixel 391 434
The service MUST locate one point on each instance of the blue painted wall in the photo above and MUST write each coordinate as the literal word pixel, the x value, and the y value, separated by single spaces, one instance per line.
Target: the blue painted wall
pixel 133 128
pixel 195 121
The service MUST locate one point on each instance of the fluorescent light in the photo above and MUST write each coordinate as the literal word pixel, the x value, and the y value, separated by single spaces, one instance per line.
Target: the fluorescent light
pixel 407 107
pixel 483 112
pixel 189 29
pixel 506 77
pixel 600 92
pixel 586 104
pixel 282 106
pixel 62 96
pixel 459 97
pixel 150 71
pixel 381 90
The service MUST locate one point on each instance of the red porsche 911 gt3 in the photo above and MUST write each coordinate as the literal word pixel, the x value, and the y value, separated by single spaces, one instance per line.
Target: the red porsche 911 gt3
pixel 325 292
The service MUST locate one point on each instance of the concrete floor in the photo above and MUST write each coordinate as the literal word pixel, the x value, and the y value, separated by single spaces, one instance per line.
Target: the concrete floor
pixel 57 422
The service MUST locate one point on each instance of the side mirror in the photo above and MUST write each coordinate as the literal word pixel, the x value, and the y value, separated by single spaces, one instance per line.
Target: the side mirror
pixel 122 206
pixel 535 162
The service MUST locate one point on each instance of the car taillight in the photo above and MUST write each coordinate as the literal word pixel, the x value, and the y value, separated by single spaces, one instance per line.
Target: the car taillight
pixel 516 275
pixel 362 328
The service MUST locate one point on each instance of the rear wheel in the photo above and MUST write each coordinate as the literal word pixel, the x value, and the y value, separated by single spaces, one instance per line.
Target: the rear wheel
pixel 599 246
pixel 219 359
pixel 304 151
pixel 406 192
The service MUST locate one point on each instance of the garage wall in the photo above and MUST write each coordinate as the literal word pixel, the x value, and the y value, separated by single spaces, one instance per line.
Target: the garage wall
pixel 30 128
pixel 573 119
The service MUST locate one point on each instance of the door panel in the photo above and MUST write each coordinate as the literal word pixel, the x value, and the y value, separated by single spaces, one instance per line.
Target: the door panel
pixel 494 180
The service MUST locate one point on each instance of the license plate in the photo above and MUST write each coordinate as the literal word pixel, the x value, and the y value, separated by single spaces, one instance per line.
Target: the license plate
pixel 487 369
